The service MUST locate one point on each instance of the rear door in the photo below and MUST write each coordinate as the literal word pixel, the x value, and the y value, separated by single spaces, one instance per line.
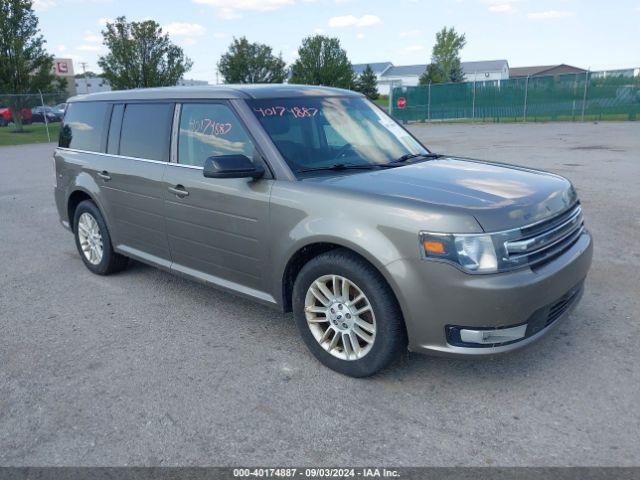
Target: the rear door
pixel 138 149
pixel 217 228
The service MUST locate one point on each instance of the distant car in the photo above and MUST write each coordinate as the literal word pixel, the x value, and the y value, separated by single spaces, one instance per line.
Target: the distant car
pixel 52 114
pixel 6 116
pixel 61 107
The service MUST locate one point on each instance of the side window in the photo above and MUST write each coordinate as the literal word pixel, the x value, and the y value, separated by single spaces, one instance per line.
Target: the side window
pixel 113 142
pixel 84 126
pixel 146 131
pixel 208 130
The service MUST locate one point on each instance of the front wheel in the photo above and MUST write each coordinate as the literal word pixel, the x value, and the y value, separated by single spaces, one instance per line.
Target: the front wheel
pixel 94 242
pixel 347 314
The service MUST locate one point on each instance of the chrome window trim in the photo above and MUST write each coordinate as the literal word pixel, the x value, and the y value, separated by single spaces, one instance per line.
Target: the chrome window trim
pixel 75 150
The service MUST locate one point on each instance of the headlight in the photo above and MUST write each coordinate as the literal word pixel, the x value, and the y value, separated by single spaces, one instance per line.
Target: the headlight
pixel 474 253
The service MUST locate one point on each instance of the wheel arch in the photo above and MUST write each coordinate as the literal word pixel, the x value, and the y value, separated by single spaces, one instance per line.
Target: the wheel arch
pixel 310 250
pixel 73 200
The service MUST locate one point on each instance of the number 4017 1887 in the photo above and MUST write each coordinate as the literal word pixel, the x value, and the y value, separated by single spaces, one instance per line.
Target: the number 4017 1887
pixel 280 111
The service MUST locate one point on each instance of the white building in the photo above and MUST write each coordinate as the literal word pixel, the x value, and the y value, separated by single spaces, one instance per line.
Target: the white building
pixel 86 85
pixel 409 75
pixel 188 82
pixel 485 70
pixel 99 84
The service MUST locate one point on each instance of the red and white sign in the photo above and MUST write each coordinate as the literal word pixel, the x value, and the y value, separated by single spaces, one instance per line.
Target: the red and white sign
pixel 401 102
pixel 63 67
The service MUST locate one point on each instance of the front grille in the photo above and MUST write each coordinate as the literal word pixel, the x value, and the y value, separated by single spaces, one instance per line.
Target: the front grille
pixel 546 240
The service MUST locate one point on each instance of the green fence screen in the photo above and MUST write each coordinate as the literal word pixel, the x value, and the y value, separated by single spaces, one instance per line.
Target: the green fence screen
pixel 588 96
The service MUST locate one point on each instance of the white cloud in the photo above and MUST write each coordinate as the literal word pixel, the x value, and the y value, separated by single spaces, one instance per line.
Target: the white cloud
pixel 219 35
pixel 88 48
pixel 318 31
pixel 103 21
pixel 549 15
pixel 228 9
pixel 228 14
pixel 353 21
pixel 182 29
pixel 360 36
pixel 42 5
pixel 61 48
pixel 410 33
pixel 91 37
pixel 500 6
pixel 412 49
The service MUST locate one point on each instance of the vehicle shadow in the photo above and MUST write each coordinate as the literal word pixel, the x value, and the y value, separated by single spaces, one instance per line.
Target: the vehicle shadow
pixel 274 327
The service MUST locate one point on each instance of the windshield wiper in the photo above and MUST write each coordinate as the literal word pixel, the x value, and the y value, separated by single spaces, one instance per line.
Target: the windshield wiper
pixel 340 166
pixel 409 156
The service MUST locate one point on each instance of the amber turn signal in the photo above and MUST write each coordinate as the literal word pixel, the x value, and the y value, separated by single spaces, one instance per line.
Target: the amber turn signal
pixel 433 246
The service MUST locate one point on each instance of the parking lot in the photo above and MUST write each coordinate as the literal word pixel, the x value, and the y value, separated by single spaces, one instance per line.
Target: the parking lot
pixel 144 368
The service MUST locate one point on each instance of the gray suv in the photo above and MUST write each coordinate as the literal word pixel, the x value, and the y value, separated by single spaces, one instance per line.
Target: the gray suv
pixel 313 200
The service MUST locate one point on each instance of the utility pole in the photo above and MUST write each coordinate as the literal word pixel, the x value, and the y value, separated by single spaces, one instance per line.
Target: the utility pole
pixel 84 74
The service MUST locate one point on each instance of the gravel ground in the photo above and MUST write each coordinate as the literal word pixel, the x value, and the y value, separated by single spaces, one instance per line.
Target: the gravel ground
pixel 144 368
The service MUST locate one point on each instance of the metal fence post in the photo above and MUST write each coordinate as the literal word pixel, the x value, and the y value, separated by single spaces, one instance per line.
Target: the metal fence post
pixel 584 95
pixel 473 103
pixel 526 93
pixel 390 98
pixel 429 103
pixel 44 115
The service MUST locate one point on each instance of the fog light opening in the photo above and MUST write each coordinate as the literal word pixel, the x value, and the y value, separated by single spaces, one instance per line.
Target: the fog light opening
pixel 485 337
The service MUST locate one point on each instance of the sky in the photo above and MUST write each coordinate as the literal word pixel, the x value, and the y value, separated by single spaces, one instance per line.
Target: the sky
pixel 586 33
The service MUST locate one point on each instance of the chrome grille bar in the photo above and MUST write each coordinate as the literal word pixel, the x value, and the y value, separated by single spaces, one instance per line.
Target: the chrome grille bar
pixel 547 238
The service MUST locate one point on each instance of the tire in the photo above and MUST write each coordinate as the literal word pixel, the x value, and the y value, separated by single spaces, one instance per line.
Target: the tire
pixel 386 340
pixel 109 261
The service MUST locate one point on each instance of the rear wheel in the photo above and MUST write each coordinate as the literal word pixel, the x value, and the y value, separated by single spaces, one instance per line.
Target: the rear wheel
pixel 94 242
pixel 347 314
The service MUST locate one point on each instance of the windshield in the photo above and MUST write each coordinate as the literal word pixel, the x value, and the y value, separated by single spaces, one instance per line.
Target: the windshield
pixel 321 132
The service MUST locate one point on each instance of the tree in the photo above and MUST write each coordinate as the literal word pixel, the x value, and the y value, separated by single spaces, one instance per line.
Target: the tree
pixel 141 56
pixel 321 61
pixel 445 58
pixel 367 83
pixel 247 62
pixel 25 66
pixel 87 74
pixel 433 74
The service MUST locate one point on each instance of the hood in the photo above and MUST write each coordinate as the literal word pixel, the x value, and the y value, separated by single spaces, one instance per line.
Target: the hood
pixel 500 197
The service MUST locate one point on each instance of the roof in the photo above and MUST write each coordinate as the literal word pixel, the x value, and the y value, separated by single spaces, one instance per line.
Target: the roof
pixel 378 67
pixel 484 66
pixel 539 70
pixel 276 90
pixel 406 70
pixel 467 67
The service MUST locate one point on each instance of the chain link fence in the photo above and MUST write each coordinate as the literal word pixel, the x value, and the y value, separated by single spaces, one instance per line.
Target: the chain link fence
pixel 576 97
pixel 29 117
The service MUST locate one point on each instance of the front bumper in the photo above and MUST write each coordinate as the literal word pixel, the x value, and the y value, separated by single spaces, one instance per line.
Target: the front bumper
pixel 435 296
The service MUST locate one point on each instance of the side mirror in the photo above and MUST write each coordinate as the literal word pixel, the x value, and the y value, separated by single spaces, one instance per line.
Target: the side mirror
pixel 231 166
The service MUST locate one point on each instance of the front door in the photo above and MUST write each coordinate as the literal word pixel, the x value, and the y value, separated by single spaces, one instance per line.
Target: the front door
pixel 217 228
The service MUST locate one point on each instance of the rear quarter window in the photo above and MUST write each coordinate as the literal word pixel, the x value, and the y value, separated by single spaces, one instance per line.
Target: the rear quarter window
pixel 83 126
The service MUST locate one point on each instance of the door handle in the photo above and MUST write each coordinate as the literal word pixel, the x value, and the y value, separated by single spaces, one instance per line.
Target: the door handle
pixel 179 191
pixel 104 175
